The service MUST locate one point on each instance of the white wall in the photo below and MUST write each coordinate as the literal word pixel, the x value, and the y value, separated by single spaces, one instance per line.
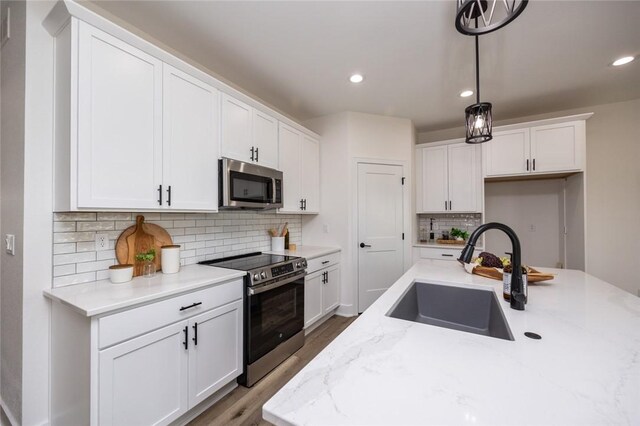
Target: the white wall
pixel 523 205
pixel 346 137
pixel 613 182
pixel 12 105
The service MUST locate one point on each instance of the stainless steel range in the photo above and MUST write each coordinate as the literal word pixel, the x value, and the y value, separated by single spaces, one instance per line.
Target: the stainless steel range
pixel 274 309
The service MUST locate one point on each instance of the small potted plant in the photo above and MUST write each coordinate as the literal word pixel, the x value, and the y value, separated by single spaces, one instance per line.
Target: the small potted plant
pixel 459 234
pixel 148 267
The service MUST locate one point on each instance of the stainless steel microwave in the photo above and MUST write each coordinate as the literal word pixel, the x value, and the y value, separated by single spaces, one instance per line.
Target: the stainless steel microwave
pixel 248 186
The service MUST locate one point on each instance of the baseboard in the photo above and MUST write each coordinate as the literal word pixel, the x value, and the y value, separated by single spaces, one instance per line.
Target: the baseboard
pixel 8 413
pixel 346 311
pixel 204 405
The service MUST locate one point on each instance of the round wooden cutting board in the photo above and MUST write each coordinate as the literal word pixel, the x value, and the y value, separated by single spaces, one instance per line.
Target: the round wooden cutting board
pixel 139 238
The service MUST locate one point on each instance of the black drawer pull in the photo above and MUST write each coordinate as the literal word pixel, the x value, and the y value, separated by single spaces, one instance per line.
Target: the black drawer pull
pixel 186 337
pixel 447 255
pixel 325 262
pixel 193 305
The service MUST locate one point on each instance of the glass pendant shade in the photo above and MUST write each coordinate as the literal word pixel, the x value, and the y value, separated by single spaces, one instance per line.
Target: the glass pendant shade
pixel 478 122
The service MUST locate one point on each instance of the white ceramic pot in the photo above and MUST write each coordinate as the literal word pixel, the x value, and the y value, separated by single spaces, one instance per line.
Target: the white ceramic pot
pixel 120 273
pixel 277 243
pixel 170 259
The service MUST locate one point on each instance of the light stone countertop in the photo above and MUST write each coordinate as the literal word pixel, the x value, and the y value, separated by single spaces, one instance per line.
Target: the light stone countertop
pixel 102 297
pixel 382 370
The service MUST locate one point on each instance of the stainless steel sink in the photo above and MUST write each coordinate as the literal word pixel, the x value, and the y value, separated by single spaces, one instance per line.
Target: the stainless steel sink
pixel 458 308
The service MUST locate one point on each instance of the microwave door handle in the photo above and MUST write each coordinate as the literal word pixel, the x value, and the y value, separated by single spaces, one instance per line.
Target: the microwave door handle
pixel 273 190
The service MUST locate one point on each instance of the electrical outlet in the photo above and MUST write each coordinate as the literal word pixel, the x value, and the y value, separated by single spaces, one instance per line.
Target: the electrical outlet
pixel 10 244
pixel 102 242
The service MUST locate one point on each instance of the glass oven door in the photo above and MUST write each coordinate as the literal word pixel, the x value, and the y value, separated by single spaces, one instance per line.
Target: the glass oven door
pixel 249 188
pixel 273 316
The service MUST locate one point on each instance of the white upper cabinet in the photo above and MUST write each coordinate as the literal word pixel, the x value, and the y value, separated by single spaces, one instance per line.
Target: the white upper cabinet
pixel 236 139
pixel 190 122
pixel 556 147
pixel 119 116
pixel 248 134
pixel 265 139
pixel 299 160
pixel 449 178
pixel 507 153
pixel 540 149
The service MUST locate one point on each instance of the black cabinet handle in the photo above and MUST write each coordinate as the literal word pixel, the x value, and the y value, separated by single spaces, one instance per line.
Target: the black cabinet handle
pixel 325 262
pixel 534 164
pixel 450 205
pixel 193 305
pixel 169 195
pixel 160 194
pixel 445 205
pixel 301 204
pixel 252 154
pixel 257 154
pixel 527 164
pixel 447 255
pixel 305 204
pixel 195 334
pixel 363 245
pixel 186 337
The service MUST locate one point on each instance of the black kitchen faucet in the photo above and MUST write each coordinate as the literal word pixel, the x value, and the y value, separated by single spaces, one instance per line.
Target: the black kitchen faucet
pixel 518 297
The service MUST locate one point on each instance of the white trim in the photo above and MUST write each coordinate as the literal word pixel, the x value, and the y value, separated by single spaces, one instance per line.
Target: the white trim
pixel 406 222
pixel 557 120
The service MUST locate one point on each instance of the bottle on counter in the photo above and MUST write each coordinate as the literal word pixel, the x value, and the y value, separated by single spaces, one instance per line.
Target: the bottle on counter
pixel 286 240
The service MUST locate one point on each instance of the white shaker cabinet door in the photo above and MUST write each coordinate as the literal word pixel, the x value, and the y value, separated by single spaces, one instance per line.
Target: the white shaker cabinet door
pixel 265 139
pixel 331 289
pixel 119 123
pixel 215 350
pixel 310 172
pixel 556 148
pixel 290 141
pixel 190 145
pixel 434 179
pixel 143 381
pixel 236 134
pixel 313 303
pixel 507 153
pixel 465 178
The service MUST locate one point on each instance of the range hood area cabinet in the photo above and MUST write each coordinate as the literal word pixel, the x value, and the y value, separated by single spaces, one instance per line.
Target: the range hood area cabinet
pixel 248 134
pixel 448 178
pixel 299 159
pixel 127 126
pixel 556 147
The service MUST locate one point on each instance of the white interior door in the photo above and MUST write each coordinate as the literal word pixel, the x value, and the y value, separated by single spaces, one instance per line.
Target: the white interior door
pixel 380 225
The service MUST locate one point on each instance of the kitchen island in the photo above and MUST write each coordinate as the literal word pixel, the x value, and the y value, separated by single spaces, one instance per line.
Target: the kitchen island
pixel 383 370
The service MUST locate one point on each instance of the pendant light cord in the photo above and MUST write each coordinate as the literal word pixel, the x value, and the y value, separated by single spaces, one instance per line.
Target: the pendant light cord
pixel 477 72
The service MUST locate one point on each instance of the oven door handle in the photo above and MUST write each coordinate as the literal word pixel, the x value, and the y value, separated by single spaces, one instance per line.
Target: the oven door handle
pixel 267 287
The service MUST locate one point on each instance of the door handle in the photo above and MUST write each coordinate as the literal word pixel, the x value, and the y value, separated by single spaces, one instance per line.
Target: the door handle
pixel 527 164
pixel 445 205
pixel 195 334
pixel 257 154
pixel 301 204
pixel 447 255
pixel 363 245
pixel 160 194
pixel 169 195
pixel 193 305
pixel 534 164
pixel 252 154
pixel 305 204
pixel 186 337
pixel 449 205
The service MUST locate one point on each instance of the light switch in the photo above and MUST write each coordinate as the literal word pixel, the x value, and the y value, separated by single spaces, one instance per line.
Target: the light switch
pixel 10 244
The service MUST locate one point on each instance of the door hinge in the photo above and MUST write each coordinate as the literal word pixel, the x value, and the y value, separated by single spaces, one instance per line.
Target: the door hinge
pixel 403 180
pixel 403 235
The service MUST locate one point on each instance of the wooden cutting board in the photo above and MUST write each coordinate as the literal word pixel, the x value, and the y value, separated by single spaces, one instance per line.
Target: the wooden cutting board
pixel 532 277
pixel 139 238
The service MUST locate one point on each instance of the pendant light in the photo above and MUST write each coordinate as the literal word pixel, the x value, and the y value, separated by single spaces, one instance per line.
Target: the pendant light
pixel 478 116
pixel 486 17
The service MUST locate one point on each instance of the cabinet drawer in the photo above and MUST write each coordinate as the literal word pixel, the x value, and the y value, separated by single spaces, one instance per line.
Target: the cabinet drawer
pixel 322 262
pixel 134 322
pixel 440 254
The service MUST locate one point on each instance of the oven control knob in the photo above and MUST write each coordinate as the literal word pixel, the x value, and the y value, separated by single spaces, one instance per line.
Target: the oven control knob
pixel 263 275
pixel 298 265
pixel 256 277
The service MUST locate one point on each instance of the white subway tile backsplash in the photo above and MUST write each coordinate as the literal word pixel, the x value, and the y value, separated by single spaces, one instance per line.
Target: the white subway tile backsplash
pixel 202 236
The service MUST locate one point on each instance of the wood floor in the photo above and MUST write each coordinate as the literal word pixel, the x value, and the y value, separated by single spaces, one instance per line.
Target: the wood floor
pixel 243 406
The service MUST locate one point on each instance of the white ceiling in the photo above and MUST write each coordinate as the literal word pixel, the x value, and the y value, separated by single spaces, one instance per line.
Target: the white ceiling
pixel 298 55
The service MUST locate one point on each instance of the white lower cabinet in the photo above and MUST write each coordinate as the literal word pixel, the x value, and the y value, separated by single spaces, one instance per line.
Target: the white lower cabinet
pixel 321 288
pixel 148 365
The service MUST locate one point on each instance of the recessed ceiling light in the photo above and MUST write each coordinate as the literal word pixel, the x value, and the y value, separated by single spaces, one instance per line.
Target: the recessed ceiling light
pixel 623 61
pixel 356 78
pixel 466 93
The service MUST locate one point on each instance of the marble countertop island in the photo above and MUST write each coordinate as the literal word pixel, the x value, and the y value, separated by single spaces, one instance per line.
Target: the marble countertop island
pixel 382 370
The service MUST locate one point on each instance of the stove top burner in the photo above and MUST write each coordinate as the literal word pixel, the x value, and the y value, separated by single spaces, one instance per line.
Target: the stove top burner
pixel 260 267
